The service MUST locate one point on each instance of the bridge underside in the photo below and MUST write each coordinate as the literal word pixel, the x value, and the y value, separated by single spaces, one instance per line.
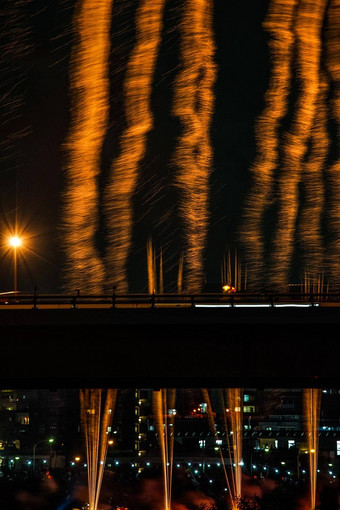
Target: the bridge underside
pixel 183 348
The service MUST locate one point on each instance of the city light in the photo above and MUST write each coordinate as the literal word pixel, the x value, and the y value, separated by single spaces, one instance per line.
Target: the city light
pixel 15 241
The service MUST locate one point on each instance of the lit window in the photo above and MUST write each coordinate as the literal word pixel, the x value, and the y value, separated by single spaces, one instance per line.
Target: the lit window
pixel 204 408
pixel 246 398
pixel 201 442
pixel 338 447
pixel 291 443
pixel 249 409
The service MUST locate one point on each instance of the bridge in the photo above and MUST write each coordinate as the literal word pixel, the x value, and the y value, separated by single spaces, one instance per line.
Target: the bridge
pixel 169 340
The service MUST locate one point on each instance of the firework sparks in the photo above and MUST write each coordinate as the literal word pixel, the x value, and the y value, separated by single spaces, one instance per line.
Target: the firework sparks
pixel 96 417
pixel 312 178
pixel 151 263
pixel 333 68
pixel 307 27
pixel 193 102
pixel 235 401
pixel 279 25
pixel 124 175
pixel 312 403
pixel 164 400
pixel 212 427
pixel 84 269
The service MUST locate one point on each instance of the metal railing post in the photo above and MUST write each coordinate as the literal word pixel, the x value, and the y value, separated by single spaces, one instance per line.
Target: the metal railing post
pixel 75 299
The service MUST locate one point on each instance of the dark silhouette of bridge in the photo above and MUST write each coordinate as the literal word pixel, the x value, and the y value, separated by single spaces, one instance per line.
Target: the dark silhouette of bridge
pixel 210 340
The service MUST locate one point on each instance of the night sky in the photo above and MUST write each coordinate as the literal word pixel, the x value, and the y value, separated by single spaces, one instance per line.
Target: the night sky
pixel 35 111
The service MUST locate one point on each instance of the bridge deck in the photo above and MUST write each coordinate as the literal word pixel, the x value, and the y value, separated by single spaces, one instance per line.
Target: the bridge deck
pixel 170 346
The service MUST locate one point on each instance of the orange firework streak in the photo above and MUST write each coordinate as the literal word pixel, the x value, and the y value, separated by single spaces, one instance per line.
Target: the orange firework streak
pixel 96 417
pixel 279 24
pixel 162 401
pixel 193 103
pixel 150 257
pixel 235 400
pixel 138 87
pixel 211 422
pixel 312 404
pixel 312 178
pixel 333 67
pixel 308 25
pixel 91 96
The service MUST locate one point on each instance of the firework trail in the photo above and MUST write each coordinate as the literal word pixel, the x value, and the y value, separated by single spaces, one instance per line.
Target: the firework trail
pixel 161 273
pixel 279 25
pixel 312 404
pixel 235 400
pixel 193 103
pixel 124 172
pixel 96 415
pixel 233 397
pixel 307 27
pixel 164 400
pixel 333 68
pixel 211 423
pixel 312 178
pixel 16 45
pixel 180 274
pixel 152 269
pixel 231 273
pixel 90 88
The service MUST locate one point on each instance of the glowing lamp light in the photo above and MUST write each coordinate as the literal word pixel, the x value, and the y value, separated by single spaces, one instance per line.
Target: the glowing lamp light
pixel 15 241
pixel 228 288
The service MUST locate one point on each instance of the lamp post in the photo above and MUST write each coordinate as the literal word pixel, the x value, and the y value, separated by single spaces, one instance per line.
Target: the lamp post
pixel 15 242
pixel 34 448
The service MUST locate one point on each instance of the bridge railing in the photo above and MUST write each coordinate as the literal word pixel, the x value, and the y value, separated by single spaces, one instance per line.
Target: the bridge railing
pixel 114 300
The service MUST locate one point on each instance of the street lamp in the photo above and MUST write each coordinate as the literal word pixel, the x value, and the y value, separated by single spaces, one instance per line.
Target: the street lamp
pixel 34 448
pixel 15 242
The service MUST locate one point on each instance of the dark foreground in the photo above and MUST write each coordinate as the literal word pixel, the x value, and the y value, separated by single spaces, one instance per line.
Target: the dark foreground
pixel 66 491
pixel 188 347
